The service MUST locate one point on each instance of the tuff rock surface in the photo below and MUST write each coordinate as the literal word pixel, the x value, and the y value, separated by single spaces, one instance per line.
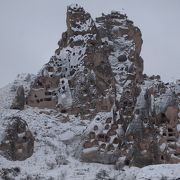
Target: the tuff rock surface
pixel 18 141
pixel 19 100
pixel 96 74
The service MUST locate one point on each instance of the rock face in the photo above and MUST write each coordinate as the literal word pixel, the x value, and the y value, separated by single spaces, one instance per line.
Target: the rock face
pixel 19 100
pixel 89 69
pixel 97 74
pixel 18 142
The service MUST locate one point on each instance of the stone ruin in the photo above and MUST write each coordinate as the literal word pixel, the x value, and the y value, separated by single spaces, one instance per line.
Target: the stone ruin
pixel 97 74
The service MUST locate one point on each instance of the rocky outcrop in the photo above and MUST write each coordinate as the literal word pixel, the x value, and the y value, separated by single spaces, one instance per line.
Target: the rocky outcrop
pixel 89 69
pixel 97 74
pixel 139 134
pixel 18 141
pixel 9 173
pixel 19 100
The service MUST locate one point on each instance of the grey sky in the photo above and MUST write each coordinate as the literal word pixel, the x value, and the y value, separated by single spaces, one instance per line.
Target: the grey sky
pixel 30 30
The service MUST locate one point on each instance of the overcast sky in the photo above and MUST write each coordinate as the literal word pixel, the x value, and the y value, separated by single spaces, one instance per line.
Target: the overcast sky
pixel 30 30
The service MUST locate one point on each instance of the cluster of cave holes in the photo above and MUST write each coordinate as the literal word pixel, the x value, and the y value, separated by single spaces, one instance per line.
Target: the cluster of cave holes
pixel 171 138
pixel 56 62
pixel 128 103
pixel 48 98
pixel 63 87
pixel 102 140
pixel 122 69
pixel 60 68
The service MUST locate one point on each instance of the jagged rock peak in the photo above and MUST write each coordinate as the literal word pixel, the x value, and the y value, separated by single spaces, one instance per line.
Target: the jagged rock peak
pixel 75 8
pixel 91 65
pixel 78 20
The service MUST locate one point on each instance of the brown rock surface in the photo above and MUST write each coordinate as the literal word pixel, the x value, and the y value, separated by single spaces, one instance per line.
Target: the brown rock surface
pixel 18 142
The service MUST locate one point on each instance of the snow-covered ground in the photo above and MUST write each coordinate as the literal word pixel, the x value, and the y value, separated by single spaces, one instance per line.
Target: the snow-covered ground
pixel 56 142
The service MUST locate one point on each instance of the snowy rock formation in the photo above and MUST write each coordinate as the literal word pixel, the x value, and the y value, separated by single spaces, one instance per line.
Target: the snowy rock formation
pixel 97 75
pixel 19 100
pixel 18 141
pixel 91 103
pixel 95 61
